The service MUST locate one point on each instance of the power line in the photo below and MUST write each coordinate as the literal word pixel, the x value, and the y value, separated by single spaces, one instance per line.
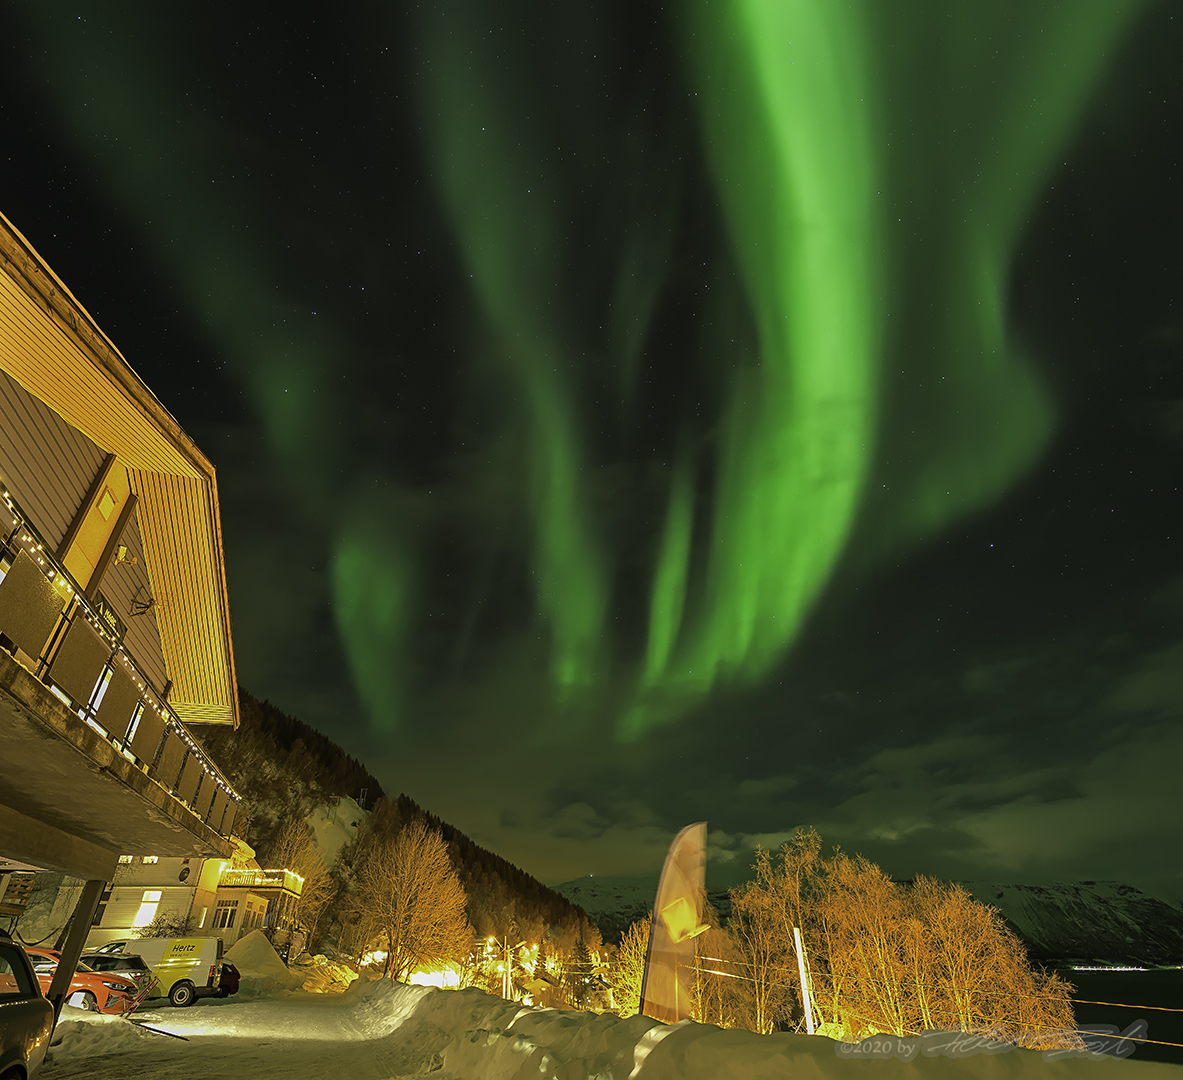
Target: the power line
pixel 995 1019
pixel 947 986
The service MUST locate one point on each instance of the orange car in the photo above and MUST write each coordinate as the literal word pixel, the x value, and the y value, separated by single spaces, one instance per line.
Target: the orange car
pixel 95 991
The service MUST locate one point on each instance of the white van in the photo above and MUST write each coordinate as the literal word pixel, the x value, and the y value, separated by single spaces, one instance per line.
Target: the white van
pixel 185 968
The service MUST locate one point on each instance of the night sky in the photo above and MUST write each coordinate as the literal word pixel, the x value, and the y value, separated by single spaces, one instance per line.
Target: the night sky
pixel 762 411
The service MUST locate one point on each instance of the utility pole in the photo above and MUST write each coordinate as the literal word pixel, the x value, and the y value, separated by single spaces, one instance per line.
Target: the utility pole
pixel 805 994
pixel 507 976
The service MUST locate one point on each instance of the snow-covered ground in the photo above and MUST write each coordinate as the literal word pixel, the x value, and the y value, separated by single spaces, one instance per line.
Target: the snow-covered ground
pixel 379 1030
pixel 385 1031
pixel 335 826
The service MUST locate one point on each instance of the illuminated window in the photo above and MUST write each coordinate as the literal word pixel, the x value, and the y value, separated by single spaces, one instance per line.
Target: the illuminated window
pixel 124 860
pixel 106 504
pixel 147 912
pixel 59 695
pixel 224 916
pixel 136 717
pixel 104 682
pixel 150 859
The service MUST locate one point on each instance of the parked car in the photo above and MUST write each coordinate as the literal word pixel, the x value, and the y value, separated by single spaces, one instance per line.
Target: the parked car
pixel 95 991
pixel 129 965
pixel 230 981
pixel 185 968
pixel 26 1017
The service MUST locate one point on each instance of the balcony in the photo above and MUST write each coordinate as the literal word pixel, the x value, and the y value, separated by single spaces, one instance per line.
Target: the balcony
pixel 69 685
pixel 262 879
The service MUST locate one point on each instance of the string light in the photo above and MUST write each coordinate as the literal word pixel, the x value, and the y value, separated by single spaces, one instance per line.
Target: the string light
pixel 61 579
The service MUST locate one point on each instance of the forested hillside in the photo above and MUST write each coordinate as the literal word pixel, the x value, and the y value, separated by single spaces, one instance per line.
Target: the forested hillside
pixel 502 898
pixel 284 769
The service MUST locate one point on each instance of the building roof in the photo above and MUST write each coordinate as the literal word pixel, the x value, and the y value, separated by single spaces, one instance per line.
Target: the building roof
pixel 55 350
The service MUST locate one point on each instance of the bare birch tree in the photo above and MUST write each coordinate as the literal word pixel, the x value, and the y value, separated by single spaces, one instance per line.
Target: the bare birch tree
pixel 629 968
pixel 763 954
pixel 886 956
pixel 408 892
pixel 296 850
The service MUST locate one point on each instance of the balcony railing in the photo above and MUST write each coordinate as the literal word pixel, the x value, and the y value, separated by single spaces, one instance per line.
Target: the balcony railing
pixel 75 648
pixel 262 879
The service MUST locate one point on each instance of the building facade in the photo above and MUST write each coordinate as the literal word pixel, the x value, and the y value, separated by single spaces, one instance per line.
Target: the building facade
pixel 224 898
pixel 114 616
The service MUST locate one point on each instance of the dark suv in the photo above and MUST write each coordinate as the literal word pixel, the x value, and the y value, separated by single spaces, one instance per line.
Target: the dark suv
pixel 26 1017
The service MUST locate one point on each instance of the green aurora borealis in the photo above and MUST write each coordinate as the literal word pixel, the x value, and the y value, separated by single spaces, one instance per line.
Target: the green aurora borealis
pixel 798 113
pixel 601 385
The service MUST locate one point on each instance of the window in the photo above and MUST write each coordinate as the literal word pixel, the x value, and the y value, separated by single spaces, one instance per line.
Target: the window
pixel 148 906
pixel 15 984
pixel 107 504
pixel 104 682
pixel 224 916
pixel 134 727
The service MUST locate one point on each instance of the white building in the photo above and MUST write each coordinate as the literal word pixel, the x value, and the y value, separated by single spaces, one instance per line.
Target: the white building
pixel 225 898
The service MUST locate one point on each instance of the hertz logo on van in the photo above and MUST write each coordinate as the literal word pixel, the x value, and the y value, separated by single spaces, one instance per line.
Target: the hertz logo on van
pixel 184 948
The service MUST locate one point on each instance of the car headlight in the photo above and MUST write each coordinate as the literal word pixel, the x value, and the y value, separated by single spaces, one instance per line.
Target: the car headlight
pixel 115 986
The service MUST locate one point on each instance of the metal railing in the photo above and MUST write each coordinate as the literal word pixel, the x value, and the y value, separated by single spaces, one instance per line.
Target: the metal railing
pixel 166 759
pixel 262 879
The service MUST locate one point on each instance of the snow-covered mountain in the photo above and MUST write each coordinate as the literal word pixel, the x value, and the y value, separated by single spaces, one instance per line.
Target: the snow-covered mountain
pixel 1089 920
pixel 1098 921
pixel 615 902
pixel 610 894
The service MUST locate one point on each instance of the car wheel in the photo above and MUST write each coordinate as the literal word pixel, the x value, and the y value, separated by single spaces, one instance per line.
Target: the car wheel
pixel 182 994
pixel 88 1001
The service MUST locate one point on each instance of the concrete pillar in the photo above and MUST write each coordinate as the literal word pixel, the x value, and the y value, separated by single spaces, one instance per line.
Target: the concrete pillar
pixel 72 949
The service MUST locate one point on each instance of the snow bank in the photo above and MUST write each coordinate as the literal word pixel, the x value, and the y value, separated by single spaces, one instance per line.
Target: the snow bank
pixel 468 1033
pixel 490 1039
pixel 494 1040
pixel 382 1029
pixel 379 1007
pixel 263 972
pixel 82 1035
pixel 322 975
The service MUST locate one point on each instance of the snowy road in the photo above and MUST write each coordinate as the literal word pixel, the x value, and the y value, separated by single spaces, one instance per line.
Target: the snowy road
pixel 300 1035
pixel 385 1031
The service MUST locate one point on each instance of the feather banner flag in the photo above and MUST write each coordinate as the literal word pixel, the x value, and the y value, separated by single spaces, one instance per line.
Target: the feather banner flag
pixel 677 921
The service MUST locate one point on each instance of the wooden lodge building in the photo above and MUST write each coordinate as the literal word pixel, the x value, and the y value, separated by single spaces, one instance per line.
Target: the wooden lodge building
pixel 114 618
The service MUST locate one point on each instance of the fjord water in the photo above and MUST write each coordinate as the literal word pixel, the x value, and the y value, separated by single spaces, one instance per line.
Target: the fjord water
pixel 1158 987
